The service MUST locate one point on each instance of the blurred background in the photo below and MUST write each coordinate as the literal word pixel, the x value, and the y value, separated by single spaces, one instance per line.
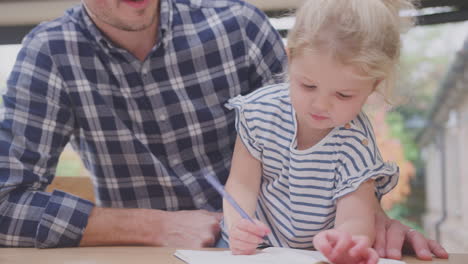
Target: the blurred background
pixel 427 134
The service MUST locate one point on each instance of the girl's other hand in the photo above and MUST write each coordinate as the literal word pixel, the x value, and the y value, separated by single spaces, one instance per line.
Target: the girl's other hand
pixel 341 248
pixel 245 236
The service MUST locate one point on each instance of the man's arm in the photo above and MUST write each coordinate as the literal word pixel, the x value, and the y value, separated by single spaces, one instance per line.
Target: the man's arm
pixel 34 128
pixel 110 226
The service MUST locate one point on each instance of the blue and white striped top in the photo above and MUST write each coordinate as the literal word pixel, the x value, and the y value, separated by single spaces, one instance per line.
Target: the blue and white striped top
pixel 299 188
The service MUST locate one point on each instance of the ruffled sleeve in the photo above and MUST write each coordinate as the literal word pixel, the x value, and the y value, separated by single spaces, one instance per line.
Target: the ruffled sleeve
pixel 243 125
pixel 360 160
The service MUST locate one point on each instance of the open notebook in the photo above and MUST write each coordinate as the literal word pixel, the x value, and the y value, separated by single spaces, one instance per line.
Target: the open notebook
pixel 271 255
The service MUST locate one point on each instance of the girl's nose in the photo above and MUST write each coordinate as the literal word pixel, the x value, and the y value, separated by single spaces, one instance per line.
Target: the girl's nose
pixel 321 103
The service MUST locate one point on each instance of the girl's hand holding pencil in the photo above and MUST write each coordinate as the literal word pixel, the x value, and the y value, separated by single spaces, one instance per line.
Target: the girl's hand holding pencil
pixel 246 235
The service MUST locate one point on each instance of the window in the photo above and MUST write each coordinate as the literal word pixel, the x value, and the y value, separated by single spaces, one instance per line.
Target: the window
pixel 8 54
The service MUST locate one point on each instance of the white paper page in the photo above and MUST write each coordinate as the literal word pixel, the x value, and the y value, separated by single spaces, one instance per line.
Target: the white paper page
pixel 271 255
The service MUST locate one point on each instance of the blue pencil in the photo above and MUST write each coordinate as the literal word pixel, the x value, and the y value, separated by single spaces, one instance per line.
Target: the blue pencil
pixel 220 189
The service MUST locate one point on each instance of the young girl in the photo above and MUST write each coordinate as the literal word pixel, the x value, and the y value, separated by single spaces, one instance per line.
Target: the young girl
pixel 306 163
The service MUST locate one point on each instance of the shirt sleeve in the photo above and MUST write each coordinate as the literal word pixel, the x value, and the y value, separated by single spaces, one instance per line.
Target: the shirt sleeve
pixel 360 160
pixel 35 125
pixel 266 50
pixel 243 126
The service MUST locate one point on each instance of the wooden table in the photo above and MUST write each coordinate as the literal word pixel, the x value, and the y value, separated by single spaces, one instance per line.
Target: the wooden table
pixel 128 255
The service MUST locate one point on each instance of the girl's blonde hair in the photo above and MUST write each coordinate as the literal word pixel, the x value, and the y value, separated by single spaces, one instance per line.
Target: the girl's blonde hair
pixel 363 33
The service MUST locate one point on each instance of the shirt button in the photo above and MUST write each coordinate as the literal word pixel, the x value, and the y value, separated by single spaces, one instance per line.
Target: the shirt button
pixel 200 201
pixel 347 126
pixel 365 142
pixel 175 161
pixel 162 117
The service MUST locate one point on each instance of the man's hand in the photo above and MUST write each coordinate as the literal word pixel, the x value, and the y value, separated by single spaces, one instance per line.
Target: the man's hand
pixel 188 229
pixel 392 238
pixel 184 229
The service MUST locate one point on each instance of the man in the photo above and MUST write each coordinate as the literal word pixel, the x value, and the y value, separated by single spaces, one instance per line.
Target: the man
pixel 138 88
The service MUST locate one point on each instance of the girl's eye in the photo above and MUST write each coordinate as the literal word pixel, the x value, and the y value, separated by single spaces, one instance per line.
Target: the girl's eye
pixel 309 86
pixel 343 96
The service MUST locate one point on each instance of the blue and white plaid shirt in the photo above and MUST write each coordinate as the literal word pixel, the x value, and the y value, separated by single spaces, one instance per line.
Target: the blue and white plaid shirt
pixel 148 131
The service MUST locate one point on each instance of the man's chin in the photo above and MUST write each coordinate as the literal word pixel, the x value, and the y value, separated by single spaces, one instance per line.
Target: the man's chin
pixel 132 27
pixel 138 24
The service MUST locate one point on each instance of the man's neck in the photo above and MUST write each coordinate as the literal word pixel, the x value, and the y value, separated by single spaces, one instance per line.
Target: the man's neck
pixel 138 43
